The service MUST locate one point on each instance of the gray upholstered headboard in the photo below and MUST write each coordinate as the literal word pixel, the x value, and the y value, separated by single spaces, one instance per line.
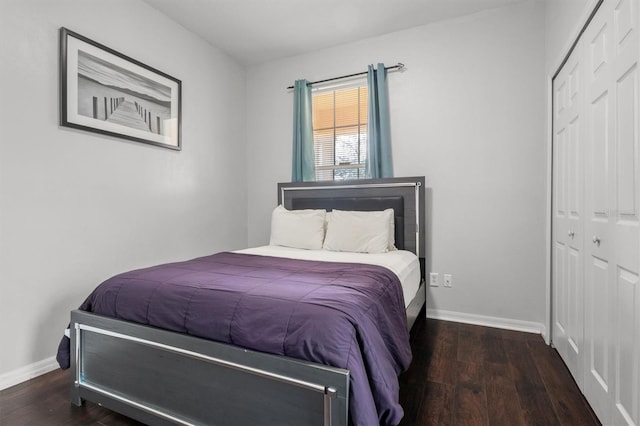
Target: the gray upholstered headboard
pixel 404 195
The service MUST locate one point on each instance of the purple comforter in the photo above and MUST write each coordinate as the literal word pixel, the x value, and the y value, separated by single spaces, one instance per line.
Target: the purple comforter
pixel 346 315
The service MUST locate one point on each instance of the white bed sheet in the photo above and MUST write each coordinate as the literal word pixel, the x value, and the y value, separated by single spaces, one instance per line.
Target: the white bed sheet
pixel 401 262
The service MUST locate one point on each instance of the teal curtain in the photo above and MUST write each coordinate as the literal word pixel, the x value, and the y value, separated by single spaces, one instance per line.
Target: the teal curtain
pixel 379 162
pixel 303 164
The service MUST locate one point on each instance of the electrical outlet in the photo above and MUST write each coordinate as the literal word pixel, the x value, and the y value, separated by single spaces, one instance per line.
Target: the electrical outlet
pixel 448 278
pixel 433 279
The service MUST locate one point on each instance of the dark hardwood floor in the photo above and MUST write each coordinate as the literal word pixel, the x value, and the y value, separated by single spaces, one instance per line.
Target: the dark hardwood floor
pixel 470 375
pixel 460 375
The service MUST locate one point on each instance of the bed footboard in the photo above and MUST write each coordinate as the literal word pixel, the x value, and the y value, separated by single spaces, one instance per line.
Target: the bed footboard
pixel 162 377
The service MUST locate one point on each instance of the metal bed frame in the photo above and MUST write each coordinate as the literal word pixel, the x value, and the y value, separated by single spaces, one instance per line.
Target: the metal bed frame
pixel 162 377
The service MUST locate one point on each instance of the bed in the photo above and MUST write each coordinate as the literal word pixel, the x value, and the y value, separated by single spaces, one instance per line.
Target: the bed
pixel 164 372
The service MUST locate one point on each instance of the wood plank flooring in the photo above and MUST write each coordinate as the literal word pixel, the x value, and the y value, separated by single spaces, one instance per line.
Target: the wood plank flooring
pixel 460 375
pixel 470 375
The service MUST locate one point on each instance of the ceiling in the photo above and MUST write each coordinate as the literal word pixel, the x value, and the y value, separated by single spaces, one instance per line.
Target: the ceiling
pixel 258 31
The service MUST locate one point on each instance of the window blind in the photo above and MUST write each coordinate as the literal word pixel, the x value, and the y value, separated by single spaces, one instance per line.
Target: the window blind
pixel 340 132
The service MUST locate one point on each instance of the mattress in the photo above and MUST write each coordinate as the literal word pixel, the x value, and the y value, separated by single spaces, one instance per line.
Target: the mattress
pixel 404 264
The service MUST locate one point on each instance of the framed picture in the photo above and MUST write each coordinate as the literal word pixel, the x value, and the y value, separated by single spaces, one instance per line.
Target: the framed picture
pixel 107 92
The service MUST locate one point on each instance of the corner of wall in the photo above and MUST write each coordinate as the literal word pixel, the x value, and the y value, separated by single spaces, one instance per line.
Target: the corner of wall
pixel 22 374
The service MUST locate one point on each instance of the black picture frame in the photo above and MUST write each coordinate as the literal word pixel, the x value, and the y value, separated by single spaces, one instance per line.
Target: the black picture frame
pixel 104 91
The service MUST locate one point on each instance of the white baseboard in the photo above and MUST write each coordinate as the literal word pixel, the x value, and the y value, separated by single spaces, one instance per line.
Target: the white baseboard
pixel 497 322
pixel 27 372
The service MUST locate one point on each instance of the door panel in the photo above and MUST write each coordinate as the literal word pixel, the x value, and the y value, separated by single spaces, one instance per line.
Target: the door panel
pixel 598 279
pixel 626 349
pixel 599 188
pixel 626 166
pixel 560 297
pixel 574 299
pixel 598 324
pixel 596 213
pixel 625 226
pixel 612 334
pixel 567 265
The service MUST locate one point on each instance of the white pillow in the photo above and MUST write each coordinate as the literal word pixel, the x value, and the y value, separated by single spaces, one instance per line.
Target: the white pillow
pixel 360 232
pixel 297 228
pixel 392 230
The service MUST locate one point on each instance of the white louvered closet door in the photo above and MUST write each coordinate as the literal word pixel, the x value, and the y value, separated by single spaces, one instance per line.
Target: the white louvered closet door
pixel 568 215
pixel 596 223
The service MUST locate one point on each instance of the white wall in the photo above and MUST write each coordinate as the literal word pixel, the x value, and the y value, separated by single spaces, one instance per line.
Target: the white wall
pixel 77 207
pixel 563 20
pixel 469 115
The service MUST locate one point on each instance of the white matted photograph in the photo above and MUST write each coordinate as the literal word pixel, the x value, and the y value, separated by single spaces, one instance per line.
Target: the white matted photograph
pixel 107 92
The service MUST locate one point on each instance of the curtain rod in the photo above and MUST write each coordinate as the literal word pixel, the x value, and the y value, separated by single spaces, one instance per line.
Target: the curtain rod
pixel 399 67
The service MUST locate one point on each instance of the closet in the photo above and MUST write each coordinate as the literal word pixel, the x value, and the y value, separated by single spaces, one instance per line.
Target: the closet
pixel 596 213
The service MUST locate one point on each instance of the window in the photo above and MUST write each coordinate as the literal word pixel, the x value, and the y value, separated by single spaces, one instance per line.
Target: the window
pixel 340 132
